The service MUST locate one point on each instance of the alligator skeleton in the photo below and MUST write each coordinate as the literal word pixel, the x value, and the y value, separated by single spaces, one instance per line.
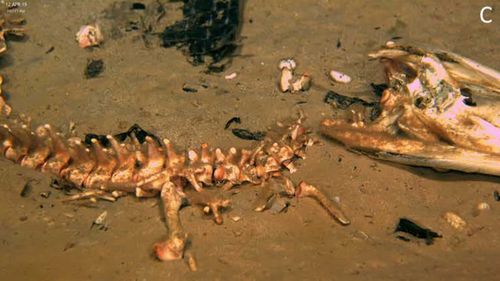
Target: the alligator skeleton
pixel 425 117
pixel 150 168
pixel 440 110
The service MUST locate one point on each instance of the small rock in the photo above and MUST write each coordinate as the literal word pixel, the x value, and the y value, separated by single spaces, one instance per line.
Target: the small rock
pixel 483 206
pixel 94 68
pixel 189 88
pixel 496 195
pixel 25 192
pixel 279 206
pixel 69 246
pixel 45 194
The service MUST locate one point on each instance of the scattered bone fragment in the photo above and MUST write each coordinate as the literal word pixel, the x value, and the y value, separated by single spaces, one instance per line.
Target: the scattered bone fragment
pixel 302 84
pixel 93 195
pixel 340 77
pixel 215 208
pixel 289 187
pixel 173 247
pixel 236 218
pixel 455 220
pixel 45 194
pixel 89 36
pixel 287 82
pixel 211 201
pixel 390 44
pixel 191 262
pixel 118 193
pixel 100 220
pixel 307 190
pixel 360 235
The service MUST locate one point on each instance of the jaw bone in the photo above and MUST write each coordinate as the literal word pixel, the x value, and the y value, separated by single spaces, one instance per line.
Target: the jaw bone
pixel 440 110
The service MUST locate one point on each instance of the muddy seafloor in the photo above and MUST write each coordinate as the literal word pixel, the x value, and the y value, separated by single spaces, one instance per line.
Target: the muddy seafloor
pixel 44 239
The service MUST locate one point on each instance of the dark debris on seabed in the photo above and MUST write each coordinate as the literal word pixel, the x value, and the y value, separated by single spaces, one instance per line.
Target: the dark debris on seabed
pixel 343 102
pixel 248 135
pixel 209 28
pixel 244 133
pixel 235 119
pixel 406 226
pixel 94 68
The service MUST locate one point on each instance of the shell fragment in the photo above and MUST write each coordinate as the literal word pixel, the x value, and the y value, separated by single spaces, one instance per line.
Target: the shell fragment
pixel 231 76
pixel 340 77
